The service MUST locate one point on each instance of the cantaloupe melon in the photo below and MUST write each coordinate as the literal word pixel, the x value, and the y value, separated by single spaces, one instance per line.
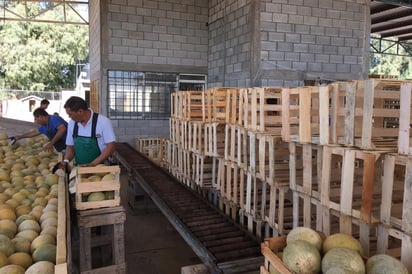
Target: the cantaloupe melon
pixel 21 244
pixel 45 252
pixel 42 240
pixel 4 260
pixel 29 225
pixel 42 267
pixel 96 196
pixel 23 217
pixel 51 179
pixel 108 177
pixel 305 234
pixel 12 269
pixel 22 259
pixel 9 225
pixel 344 258
pixel 51 230
pixel 302 257
pixel 6 246
pixel 385 264
pixel 28 234
pixel 7 213
pixel 341 240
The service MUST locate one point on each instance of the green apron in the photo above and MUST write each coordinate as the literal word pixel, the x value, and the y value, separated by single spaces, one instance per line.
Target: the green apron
pixel 86 148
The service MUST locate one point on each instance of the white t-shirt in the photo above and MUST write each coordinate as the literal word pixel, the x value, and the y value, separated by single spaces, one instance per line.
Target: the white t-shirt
pixel 104 131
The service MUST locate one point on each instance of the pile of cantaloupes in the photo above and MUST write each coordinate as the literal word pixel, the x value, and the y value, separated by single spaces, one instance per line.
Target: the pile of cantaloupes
pixel 308 252
pixel 28 207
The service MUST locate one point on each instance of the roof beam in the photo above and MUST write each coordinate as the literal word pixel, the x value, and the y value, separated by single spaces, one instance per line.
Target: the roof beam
pixel 398 2
pixel 391 26
pixel 397 33
pixel 388 17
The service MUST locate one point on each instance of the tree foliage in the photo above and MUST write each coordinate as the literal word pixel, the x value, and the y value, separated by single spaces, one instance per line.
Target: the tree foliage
pixel 390 63
pixel 41 56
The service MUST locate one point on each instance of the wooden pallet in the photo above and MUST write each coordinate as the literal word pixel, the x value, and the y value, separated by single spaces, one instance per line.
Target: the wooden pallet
pixel 365 114
pixel 261 110
pixel 405 121
pixel 83 189
pixel 305 114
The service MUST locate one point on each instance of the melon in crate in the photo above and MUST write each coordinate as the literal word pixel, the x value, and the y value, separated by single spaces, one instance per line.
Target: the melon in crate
pixel 341 240
pixel 301 257
pixel 345 259
pixel 306 234
pixel 385 264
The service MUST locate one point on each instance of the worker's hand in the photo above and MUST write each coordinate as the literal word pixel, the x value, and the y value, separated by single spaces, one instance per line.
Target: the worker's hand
pixel 12 139
pixel 48 146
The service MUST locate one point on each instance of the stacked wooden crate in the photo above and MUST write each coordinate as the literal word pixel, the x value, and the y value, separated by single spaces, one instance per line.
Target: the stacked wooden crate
pixel 350 162
pixel 335 158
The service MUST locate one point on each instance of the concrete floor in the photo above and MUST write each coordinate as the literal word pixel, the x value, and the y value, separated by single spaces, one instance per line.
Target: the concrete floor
pixel 152 245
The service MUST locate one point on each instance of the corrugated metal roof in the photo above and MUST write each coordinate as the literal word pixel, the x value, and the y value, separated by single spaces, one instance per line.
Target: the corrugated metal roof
pixel 392 19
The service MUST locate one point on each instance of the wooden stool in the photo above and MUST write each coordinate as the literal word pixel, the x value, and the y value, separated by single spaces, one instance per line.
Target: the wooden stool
pixel 108 229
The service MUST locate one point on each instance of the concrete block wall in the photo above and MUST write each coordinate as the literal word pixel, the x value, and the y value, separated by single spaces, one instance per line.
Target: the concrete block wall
pixel 230 31
pixel 313 39
pixel 159 35
pixel 150 36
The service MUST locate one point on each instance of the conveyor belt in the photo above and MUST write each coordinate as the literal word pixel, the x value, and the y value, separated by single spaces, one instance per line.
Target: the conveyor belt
pixel 220 243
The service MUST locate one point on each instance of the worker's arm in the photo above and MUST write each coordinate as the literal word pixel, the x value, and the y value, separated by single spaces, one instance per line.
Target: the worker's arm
pixel 32 133
pixel 61 130
pixel 110 148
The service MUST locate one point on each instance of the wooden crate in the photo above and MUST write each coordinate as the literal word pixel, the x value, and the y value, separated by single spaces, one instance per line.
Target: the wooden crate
pixel 271 259
pixel 396 243
pixel 196 137
pixel 261 109
pixel 205 170
pixel 277 210
pixel 192 105
pixel 110 222
pixel 395 211
pixel 153 148
pixel 273 159
pixel 82 188
pixel 217 104
pixel 231 142
pixel 214 139
pixel 233 184
pixel 305 175
pixel 365 114
pixel 405 121
pixel 176 103
pixel 305 114
pixel 350 185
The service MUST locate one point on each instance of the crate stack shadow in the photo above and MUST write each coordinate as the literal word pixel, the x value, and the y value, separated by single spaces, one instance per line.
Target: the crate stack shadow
pixel 336 158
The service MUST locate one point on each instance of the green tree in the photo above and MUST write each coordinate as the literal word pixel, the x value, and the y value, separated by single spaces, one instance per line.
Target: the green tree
pixel 41 56
pixel 390 63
